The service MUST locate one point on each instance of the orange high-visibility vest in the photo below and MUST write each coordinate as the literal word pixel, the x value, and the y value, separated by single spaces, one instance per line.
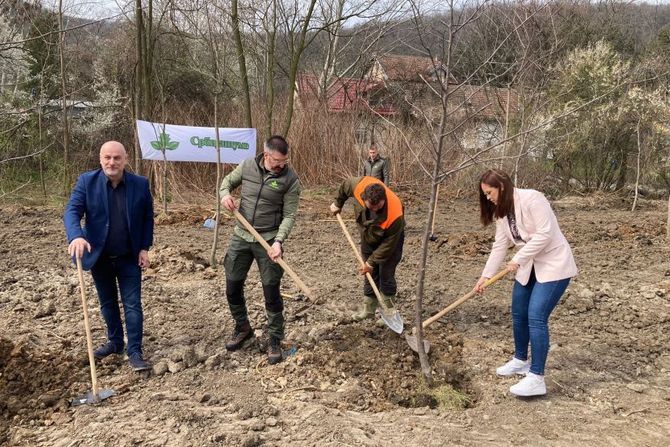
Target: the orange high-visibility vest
pixel 393 204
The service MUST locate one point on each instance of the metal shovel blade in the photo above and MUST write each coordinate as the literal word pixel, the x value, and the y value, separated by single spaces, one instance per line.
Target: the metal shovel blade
pixel 411 341
pixel 392 319
pixel 90 398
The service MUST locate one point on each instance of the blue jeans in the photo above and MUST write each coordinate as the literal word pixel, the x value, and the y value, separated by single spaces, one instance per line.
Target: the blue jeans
pixel 531 306
pixel 124 269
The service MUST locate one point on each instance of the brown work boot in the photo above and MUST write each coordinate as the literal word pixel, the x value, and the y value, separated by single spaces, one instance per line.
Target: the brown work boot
pixel 274 351
pixel 242 333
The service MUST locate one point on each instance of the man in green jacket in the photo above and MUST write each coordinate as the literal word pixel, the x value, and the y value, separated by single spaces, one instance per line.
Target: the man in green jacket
pixel 377 166
pixel 269 201
pixel 380 218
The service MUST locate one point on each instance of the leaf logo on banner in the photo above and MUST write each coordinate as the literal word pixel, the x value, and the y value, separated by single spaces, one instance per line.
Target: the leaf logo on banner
pixel 163 143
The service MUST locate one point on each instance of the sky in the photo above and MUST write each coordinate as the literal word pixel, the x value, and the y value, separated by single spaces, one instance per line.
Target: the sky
pixel 97 9
pixel 91 9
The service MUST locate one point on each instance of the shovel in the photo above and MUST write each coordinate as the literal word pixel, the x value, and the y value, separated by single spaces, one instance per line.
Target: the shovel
pixel 95 396
pixel 411 339
pixel 280 261
pixel 390 316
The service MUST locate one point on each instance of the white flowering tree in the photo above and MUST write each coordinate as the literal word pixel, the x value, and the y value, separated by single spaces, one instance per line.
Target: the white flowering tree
pixel 617 119
pixel 102 112
pixel 15 105
pixel 13 67
pixel 592 144
pixel 650 112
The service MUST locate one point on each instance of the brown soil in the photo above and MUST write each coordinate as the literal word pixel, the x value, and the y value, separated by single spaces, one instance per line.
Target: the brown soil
pixel 342 383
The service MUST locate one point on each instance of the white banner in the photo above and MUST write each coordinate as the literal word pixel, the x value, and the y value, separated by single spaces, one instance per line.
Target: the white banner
pixel 186 143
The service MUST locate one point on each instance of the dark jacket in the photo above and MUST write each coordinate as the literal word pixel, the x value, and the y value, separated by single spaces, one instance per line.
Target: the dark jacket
pixel 383 241
pixel 262 198
pixel 378 168
pixel 89 198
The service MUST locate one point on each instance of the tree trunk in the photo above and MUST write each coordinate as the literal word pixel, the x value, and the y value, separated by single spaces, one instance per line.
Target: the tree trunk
pixel 39 129
pixel 139 74
pixel 165 176
pixel 241 60
pixel 147 62
pixel 293 71
pixel 418 303
pixel 269 82
pixel 639 156
pixel 328 68
pixel 215 242
pixel 66 132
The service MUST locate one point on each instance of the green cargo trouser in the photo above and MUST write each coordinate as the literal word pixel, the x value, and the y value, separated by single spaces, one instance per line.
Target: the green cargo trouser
pixel 238 260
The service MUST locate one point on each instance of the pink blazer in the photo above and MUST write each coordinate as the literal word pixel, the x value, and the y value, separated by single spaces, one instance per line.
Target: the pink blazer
pixel 545 248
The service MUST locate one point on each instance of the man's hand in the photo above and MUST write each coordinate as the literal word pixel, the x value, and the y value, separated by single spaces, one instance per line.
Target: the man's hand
pixel 143 259
pixel 479 287
pixel 77 247
pixel 365 269
pixel 228 203
pixel 275 251
pixel 334 209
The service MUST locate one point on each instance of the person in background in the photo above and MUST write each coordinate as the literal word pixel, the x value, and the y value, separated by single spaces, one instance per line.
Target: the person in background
pixel 377 166
pixel 543 264
pixel 114 245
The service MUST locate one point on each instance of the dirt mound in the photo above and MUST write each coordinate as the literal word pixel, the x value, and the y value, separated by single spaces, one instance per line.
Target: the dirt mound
pixel 466 244
pixel 34 383
pixel 370 368
pixel 341 383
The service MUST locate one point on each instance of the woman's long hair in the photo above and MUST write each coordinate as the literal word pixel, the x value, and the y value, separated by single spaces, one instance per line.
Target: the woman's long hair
pixel 495 178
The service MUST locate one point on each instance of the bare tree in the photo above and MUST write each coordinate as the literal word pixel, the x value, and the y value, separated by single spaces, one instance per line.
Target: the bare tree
pixel 64 96
pixel 442 105
pixel 242 62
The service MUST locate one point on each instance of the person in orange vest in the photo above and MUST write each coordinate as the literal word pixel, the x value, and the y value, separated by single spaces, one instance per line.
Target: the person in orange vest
pixel 380 219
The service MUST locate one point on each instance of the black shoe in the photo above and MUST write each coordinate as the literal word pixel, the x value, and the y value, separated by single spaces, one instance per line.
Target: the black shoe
pixel 274 351
pixel 107 349
pixel 137 363
pixel 242 333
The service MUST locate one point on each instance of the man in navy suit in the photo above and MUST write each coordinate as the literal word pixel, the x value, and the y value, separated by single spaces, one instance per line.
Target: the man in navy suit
pixel 114 245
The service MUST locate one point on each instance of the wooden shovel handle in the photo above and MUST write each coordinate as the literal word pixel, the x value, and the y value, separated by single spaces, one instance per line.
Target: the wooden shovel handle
pixel 87 327
pixel 463 299
pixel 267 247
pixel 360 260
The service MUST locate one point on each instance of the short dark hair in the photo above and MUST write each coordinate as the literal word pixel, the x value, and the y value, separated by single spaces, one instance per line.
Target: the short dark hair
pixel 276 143
pixel 495 178
pixel 374 193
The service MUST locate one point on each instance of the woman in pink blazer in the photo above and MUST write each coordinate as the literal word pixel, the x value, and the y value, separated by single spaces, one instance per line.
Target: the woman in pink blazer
pixel 543 264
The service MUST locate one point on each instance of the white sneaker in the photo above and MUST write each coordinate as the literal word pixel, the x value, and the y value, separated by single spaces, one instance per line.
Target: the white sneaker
pixel 514 366
pixel 531 385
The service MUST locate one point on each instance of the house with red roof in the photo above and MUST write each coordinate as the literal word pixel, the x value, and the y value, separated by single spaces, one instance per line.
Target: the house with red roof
pixel 408 88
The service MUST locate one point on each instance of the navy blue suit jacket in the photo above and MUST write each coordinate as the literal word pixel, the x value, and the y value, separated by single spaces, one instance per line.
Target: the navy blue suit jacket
pixel 89 198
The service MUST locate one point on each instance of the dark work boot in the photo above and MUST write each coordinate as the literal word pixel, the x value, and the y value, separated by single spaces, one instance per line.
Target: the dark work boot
pixel 107 349
pixel 242 333
pixel 274 351
pixel 137 362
